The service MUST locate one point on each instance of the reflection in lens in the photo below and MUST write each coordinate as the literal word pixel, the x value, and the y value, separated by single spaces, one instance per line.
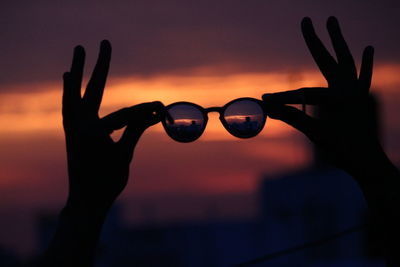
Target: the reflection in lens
pixel 244 118
pixel 184 122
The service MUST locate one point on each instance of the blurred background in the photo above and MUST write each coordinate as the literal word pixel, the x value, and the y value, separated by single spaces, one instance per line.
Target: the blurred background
pixel 220 200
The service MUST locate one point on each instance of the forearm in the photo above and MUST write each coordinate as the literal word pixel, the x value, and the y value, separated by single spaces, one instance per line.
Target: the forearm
pixel 379 180
pixel 76 237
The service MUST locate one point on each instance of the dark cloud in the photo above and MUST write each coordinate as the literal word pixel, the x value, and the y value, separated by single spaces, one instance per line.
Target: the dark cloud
pixel 153 37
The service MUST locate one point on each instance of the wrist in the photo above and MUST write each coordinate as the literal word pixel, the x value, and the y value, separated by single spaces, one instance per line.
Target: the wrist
pixel 369 162
pixel 75 240
pixel 84 213
pixel 85 217
pixel 88 204
pixel 377 177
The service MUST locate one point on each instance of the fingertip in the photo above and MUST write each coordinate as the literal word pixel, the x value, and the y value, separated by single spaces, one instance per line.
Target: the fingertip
pixel 157 104
pixel 78 58
pixel 307 27
pixel 333 23
pixel 274 110
pixel 332 20
pixel 105 44
pixel 153 106
pixel 305 22
pixel 79 49
pixel 265 97
pixel 370 49
pixel 271 97
pixel 368 53
pixel 66 75
pixel 152 112
pixel 158 109
pixel 105 52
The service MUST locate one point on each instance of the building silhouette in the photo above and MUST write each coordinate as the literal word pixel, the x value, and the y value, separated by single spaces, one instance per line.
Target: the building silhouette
pixel 297 207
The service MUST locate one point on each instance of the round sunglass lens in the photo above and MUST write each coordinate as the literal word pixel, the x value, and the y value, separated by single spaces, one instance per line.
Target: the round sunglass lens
pixel 244 118
pixel 184 122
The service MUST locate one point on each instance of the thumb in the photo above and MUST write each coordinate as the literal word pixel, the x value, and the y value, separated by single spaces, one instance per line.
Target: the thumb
pixel 142 117
pixel 292 116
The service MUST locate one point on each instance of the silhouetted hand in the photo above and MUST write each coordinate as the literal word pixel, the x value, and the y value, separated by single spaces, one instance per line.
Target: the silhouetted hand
pixel 345 130
pixel 99 167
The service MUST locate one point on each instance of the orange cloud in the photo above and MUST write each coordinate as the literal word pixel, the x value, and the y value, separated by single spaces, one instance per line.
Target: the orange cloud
pixel 26 111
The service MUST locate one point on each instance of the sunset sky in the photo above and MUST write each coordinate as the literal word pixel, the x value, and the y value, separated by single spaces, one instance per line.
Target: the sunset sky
pixel 205 52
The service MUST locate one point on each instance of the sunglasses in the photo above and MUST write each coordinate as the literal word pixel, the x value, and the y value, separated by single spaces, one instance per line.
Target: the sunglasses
pixel 243 117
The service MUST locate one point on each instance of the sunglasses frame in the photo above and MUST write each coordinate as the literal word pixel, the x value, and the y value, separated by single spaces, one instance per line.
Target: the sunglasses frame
pixel 221 111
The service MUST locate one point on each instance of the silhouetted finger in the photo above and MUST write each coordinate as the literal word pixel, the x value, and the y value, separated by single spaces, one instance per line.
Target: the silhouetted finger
pixel 307 95
pixel 136 114
pixel 324 60
pixel 294 117
pixel 78 62
pixel 117 119
pixel 143 116
pixel 344 57
pixel 95 87
pixel 73 80
pixel 67 99
pixel 367 64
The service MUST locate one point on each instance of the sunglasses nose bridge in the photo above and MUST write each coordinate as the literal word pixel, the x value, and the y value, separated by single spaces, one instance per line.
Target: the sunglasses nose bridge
pixel 214 109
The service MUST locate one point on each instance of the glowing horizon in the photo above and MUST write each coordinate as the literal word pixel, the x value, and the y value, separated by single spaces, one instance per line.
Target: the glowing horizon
pixel 22 111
